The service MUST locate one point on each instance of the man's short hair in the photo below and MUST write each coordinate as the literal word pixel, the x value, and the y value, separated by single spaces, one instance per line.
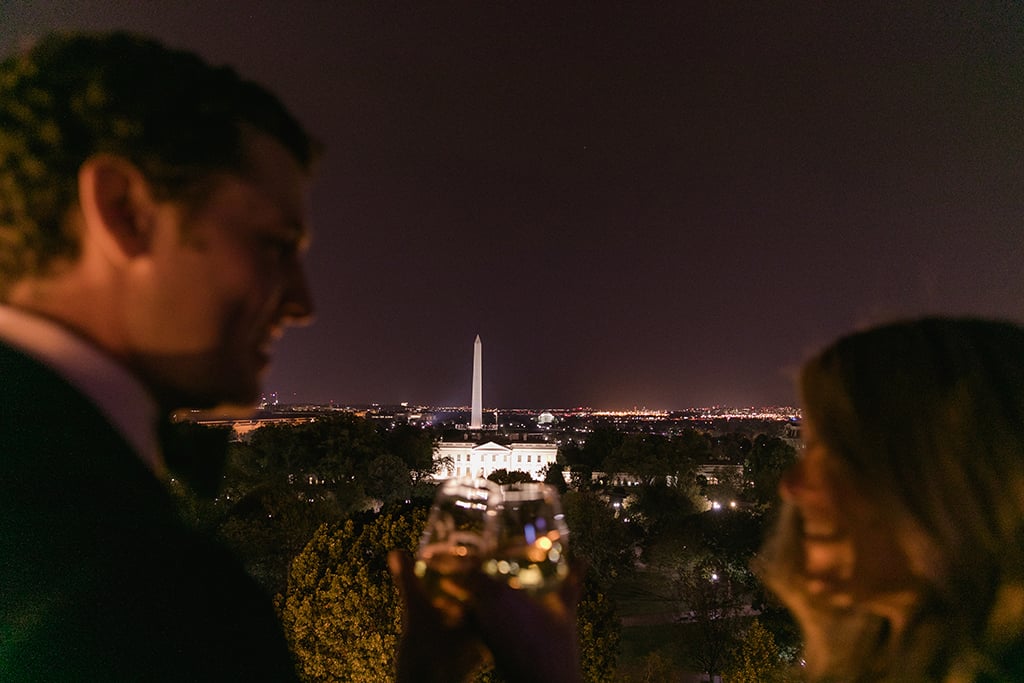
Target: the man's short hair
pixel 177 118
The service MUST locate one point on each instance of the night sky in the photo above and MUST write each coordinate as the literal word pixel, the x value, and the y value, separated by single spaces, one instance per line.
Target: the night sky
pixel 652 205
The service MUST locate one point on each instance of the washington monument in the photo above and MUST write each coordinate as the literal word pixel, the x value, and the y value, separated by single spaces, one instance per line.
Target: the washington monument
pixel 476 419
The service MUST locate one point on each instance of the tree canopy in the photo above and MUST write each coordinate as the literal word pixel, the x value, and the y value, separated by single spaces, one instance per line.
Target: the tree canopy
pixel 341 612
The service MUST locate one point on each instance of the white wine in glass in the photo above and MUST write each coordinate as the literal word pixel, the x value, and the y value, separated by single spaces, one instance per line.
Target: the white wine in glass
pixel 457 539
pixel 530 536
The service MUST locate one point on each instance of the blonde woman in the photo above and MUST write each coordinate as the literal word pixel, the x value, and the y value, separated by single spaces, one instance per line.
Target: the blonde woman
pixel 900 547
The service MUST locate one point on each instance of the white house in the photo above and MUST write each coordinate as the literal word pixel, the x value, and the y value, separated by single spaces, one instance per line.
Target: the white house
pixel 472 460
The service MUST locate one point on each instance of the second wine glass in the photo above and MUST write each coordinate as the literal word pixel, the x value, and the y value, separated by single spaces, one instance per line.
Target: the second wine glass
pixel 530 538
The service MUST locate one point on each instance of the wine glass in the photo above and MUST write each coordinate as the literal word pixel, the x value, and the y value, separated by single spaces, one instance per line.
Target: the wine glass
pixel 455 542
pixel 530 538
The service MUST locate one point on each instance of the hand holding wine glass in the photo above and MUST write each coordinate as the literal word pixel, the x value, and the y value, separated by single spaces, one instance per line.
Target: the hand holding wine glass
pixel 525 608
pixel 515 618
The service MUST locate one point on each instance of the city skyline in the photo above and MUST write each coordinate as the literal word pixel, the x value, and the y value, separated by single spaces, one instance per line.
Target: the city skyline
pixel 766 412
pixel 651 205
pixel 476 407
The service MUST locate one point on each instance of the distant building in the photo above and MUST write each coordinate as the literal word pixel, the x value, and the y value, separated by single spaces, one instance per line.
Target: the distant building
pixel 243 427
pixel 469 459
pixel 791 434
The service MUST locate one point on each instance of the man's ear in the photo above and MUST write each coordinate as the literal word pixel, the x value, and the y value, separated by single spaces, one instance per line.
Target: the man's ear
pixel 117 205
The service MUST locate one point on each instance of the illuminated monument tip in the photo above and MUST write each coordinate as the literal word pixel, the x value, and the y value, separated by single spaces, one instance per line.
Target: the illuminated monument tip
pixel 476 419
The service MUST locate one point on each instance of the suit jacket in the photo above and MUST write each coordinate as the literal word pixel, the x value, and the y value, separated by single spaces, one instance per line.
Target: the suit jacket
pixel 99 579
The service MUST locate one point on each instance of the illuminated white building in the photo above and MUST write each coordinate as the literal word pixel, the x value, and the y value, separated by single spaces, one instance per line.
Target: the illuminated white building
pixel 470 459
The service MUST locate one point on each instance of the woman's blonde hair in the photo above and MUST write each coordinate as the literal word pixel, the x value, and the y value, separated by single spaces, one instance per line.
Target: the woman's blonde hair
pixel 926 418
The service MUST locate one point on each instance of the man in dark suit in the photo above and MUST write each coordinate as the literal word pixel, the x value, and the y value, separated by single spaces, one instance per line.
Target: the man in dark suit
pixel 152 220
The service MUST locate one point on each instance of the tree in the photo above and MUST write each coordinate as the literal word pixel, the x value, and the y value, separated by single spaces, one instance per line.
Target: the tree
pixel 272 500
pixel 387 479
pixel 554 475
pixel 696 446
pixel 657 668
pixel 584 459
pixel 413 445
pixel 341 612
pixel 324 458
pixel 503 476
pixel 605 544
pixel 600 631
pixel 767 460
pixel 653 458
pixel 262 512
pixel 713 603
pixel 570 454
pixel 288 479
pixel 756 659
pixel 731 446
pixel 597 537
pixel 658 508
